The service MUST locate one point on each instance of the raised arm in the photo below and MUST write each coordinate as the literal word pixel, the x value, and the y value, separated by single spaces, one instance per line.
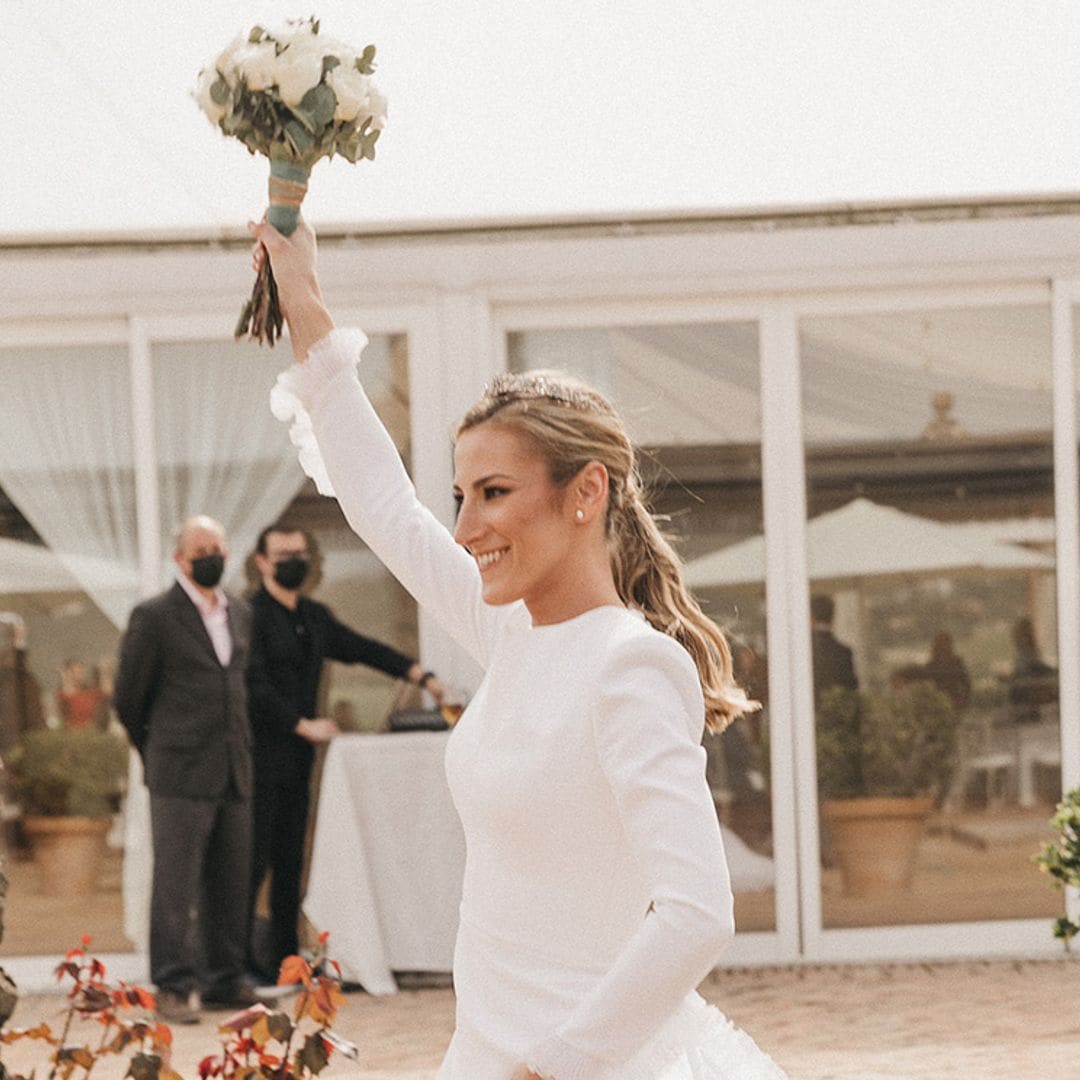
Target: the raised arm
pixel 359 457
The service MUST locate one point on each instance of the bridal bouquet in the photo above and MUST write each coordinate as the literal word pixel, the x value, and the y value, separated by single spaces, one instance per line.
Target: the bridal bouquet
pixel 294 96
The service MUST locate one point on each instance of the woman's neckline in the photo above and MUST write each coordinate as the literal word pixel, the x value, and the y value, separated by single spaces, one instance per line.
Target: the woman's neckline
pixel 589 612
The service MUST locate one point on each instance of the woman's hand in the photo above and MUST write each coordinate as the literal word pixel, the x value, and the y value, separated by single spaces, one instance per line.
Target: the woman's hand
pixel 293 259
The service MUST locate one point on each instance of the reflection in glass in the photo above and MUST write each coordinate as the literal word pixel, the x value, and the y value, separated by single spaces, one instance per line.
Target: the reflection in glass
pixel 690 396
pixel 931 555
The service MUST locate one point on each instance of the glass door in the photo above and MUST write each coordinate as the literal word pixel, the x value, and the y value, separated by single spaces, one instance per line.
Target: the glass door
pixel 691 394
pixel 931 551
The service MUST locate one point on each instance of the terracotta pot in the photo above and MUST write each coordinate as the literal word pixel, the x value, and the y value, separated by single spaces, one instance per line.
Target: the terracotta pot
pixel 68 852
pixel 876 841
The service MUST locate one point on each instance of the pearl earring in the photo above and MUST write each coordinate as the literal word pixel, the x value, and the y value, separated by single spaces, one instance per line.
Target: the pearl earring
pixel 579 514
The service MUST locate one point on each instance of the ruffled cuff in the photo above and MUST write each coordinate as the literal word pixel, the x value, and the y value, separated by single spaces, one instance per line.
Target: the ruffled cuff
pixel 301 389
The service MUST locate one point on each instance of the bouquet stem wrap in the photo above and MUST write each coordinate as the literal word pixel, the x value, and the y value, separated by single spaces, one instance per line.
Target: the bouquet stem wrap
pixel 287 187
pixel 262 318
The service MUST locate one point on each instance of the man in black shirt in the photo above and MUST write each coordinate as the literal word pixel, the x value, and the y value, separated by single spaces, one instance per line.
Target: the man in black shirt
pixel 832 659
pixel 291 636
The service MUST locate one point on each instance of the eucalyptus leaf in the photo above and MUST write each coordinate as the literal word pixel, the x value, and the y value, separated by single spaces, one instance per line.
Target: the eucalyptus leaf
pixel 305 118
pixel 367 145
pixel 365 61
pixel 319 103
pixel 256 35
pixel 349 148
pixel 300 138
pixel 330 62
pixel 219 91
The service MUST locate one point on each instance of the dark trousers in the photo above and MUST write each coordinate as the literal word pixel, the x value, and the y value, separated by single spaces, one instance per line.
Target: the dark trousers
pixel 281 813
pixel 199 905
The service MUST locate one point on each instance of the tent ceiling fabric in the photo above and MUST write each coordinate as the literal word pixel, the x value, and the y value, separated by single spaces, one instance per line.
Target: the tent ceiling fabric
pixel 865 378
pixel 863 541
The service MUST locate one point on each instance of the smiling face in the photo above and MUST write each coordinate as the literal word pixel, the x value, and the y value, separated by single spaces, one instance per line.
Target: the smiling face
pixel 518 526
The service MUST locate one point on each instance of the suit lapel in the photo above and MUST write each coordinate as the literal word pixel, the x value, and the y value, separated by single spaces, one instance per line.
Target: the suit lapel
pixel 191 621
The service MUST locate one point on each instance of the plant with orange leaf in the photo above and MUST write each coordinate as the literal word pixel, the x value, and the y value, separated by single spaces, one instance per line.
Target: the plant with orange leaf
pixel 124 1016
pixel 261 1042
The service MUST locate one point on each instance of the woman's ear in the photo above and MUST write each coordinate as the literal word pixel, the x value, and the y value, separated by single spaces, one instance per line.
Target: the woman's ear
pixel 590 490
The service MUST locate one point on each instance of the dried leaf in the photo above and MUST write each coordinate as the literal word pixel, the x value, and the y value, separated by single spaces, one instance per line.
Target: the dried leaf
pixel 294 969
pixel 39 1031
pixel 209 1066
pixel 145 1067
pixel 82 1056
pixel 244 1019
pixel 313 1056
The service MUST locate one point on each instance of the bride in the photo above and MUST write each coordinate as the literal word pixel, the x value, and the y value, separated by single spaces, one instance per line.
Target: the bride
pixel 596 893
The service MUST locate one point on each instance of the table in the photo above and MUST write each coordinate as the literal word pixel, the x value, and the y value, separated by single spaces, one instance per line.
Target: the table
pixel 387 857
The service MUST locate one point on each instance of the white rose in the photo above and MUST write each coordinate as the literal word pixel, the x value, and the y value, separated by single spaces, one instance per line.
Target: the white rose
pixel 255 64
pixel 226 60
pixel 201 93
pixel 352 90
pixel 298 68
pixel 377 107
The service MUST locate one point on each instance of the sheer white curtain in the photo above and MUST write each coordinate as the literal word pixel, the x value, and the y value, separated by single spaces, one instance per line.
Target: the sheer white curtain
pixel 220 451
pixel 66 461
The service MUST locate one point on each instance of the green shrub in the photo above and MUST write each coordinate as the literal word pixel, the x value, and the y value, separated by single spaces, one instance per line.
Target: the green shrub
pixel 59 772
pixel 903 743
pixel 1060 858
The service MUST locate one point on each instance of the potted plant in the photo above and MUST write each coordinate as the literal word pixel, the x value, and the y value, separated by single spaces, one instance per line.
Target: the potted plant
pixel 67 782
pixel 1060 858
pixel 883 762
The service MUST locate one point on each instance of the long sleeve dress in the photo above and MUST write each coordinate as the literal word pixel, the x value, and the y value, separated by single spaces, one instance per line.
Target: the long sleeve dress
pixel 596 894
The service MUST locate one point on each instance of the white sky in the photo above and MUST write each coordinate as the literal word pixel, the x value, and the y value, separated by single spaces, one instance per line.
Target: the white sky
pixel 526 108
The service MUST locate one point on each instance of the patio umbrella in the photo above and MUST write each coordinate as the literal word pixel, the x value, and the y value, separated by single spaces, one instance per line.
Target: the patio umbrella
pixel 865 541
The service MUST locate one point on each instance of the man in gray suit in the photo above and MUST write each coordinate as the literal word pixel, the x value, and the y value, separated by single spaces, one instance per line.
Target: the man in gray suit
pixel 181 694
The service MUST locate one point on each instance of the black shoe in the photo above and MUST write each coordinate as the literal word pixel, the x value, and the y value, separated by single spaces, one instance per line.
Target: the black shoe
pixel 176 1008
pixel 241 996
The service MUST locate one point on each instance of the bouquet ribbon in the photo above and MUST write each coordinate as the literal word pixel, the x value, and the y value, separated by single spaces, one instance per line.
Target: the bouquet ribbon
pixel 287 186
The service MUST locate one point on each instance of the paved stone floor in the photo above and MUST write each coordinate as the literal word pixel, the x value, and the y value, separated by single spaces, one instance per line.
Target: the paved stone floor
pixel 964 1021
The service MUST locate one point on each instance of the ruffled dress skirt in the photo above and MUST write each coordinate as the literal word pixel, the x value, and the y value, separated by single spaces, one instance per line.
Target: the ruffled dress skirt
pixel 508 999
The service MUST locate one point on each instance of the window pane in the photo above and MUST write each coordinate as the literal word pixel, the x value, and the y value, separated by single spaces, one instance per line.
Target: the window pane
pixel 931 549
pixel 690 395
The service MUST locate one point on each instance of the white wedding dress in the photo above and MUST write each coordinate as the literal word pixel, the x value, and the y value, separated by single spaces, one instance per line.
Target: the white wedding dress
pixel 596 893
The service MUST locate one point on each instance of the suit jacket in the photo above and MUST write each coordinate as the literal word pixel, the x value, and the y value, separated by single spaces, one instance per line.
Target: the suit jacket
pixel 185 712
pixel 287 654
pixel 833 664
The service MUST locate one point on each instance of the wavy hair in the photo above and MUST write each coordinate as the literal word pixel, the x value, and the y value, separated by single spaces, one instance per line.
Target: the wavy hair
pixel 570 424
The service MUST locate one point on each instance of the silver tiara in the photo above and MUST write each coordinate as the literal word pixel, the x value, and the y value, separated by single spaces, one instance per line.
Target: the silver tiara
pixel 513 387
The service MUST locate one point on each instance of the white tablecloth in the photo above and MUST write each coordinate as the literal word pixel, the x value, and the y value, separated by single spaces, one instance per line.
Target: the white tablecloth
pixel 387 857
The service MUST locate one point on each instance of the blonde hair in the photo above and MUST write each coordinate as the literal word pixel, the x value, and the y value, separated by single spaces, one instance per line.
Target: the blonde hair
pixel 570 425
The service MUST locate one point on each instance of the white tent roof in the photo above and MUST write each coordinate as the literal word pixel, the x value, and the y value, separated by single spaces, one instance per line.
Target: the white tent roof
pixel 504 111
pixel 866 540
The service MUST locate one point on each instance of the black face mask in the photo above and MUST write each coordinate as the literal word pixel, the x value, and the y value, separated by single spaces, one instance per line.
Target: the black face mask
pixel 290 572
pixel 207 570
